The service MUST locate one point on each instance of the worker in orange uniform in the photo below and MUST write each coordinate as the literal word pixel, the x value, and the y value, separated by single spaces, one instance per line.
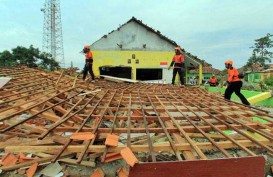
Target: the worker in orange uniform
pixel 178 65
pixel 213 81
pixel 234 83
pixel 88 63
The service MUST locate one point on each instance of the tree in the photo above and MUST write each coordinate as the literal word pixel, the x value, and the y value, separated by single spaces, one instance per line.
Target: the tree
pixel 6 59
pixel 47 62
pixel 224 72
pixel 26 56
pixel 32 57
pixel 261 53
pixel 253 62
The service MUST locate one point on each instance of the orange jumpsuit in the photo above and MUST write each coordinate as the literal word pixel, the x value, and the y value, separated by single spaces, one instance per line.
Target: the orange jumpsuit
pixel 235 85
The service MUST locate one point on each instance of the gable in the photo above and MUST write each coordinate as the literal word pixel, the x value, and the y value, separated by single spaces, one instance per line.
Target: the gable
pixel 137 36
pixel 133 36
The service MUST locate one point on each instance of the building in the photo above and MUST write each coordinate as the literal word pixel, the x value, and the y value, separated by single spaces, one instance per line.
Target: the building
pixel 258 73
pixel 259 76
pixel 207 72
pixel 136 51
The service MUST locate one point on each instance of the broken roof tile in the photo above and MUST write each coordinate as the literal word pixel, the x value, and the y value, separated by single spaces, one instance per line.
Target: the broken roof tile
pixel 122 172
pixel 128 156
pixel 32 169
pixel 82 136
pixel 111 157
pixel 98 173
pixel 9 159
pixel 111 140
pixel 22 157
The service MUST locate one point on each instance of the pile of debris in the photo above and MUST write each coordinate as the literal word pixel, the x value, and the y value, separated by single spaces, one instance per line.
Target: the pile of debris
pixel 51 119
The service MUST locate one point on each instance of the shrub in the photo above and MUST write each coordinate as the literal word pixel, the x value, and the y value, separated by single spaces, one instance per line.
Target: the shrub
pixel 269 81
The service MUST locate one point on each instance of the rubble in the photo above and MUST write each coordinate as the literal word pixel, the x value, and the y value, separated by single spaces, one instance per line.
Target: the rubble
pixel 55 118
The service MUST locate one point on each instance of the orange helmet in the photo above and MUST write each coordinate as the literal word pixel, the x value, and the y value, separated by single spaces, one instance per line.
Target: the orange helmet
pixel 230 62
pixel 87 47
pixel 177 48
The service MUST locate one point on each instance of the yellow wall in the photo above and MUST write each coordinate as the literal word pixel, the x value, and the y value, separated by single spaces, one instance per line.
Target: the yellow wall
pixel 147 59
pixel 266 75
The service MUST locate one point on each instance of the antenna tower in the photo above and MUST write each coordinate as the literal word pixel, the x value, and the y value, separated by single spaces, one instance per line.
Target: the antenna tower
pixel 52 31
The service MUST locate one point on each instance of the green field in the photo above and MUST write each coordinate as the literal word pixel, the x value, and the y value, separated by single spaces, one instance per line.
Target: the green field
pixel 246 93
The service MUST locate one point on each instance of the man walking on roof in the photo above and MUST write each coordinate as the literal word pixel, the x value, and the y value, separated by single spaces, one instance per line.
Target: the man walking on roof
pixel 178 64
pixel 234 83
pixel 88 63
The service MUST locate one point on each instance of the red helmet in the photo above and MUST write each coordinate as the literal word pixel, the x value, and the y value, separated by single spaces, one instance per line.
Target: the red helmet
pixel 229 62
pixel 86 47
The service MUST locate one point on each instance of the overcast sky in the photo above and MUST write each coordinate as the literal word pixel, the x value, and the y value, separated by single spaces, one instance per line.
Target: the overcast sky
pixel 213 30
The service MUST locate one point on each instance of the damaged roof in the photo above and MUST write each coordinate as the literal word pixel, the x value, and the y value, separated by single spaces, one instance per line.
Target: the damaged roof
pixel 64 118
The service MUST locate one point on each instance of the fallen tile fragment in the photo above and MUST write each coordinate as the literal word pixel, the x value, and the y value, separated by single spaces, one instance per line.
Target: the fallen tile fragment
pixel 111 140
pixel 23 158
pixel 32 169
pixel 129 156
pixel 122 172
pixel 98 173
pixel 9 159
pixel 82 136
pixel 111 157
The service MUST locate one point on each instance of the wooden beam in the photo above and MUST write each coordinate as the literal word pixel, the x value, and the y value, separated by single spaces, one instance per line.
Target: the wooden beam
pixel 188 129
pixel 135 148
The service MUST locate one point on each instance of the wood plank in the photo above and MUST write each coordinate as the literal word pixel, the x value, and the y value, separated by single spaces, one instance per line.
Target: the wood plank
pixel 29 127
pixel 188 129
pixel 63 111
pixel 26 142
pixel 135 148
pixel 178 139
pixel 74 162
pixel 50 117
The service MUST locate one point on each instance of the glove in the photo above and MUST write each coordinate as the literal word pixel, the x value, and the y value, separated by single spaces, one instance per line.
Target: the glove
pixel 226 83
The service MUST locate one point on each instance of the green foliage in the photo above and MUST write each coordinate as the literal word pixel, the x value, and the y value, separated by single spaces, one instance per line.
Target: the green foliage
pixel 30 57
pixel 252 62
pixel 47 62
pixel 261 53
pixel 224 72
pixel 7 59
pixel 269 81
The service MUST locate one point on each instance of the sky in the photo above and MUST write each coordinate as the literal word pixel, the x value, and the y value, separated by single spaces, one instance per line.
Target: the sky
pixel 212 30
